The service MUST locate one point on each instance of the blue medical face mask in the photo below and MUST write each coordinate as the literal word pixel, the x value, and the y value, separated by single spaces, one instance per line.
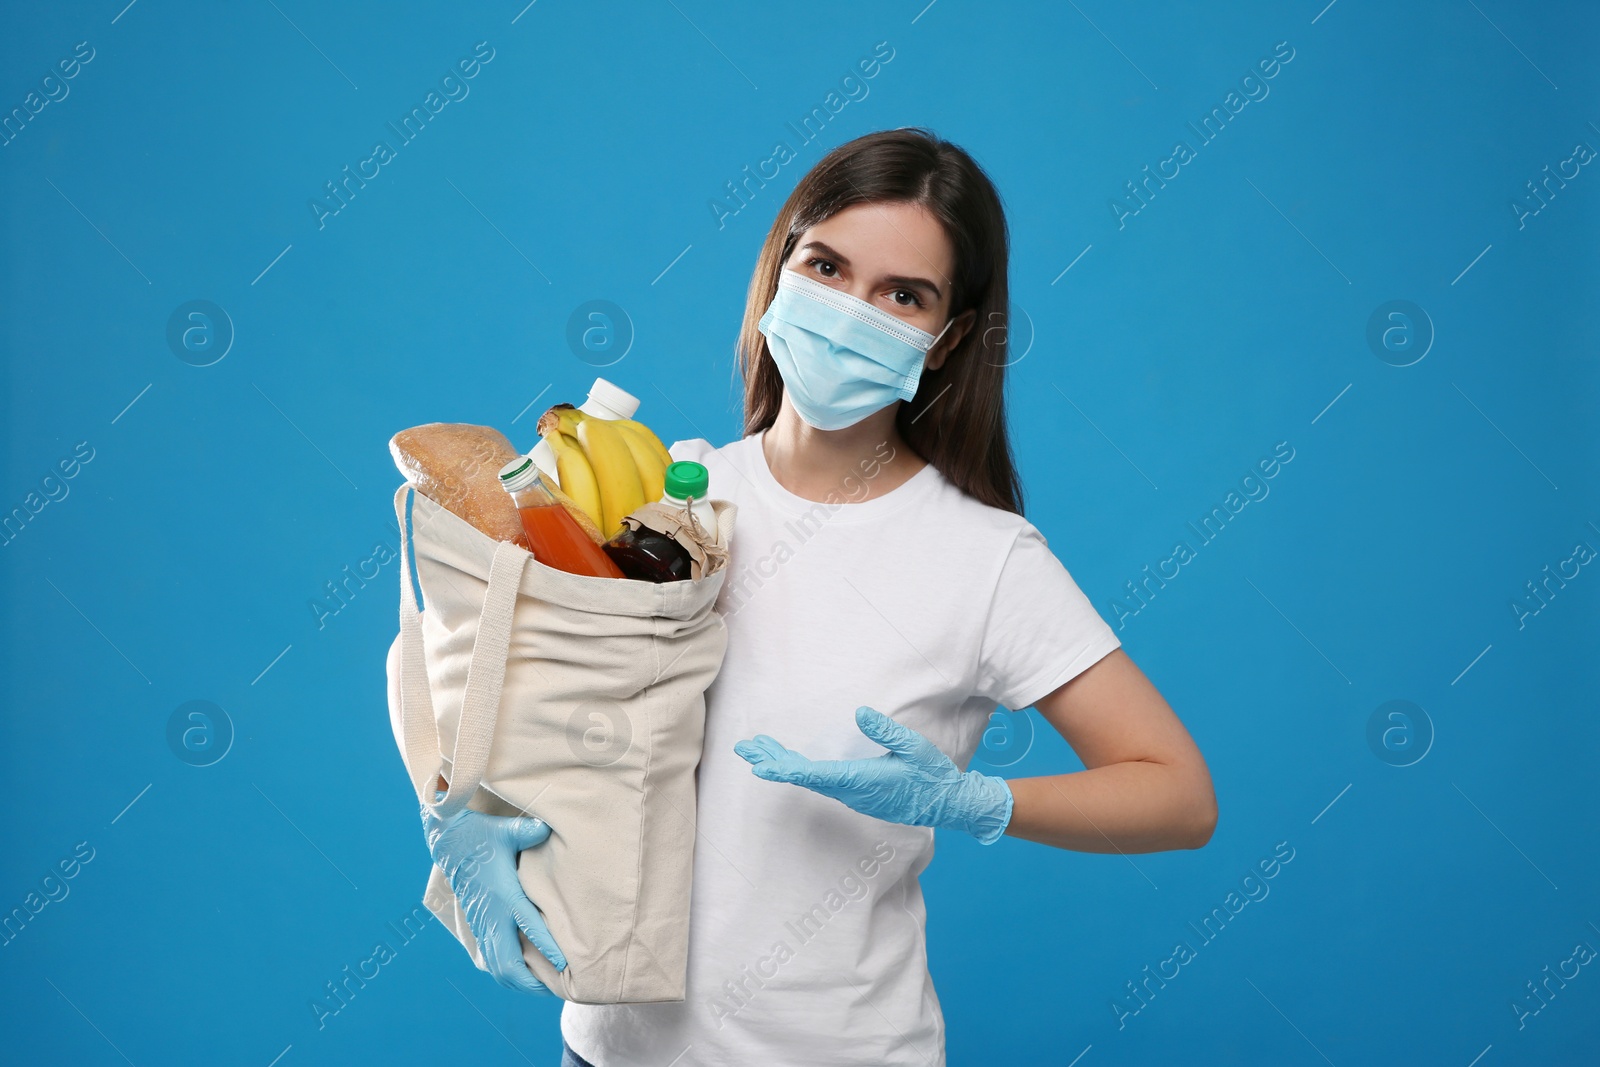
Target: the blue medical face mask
pixel 840 357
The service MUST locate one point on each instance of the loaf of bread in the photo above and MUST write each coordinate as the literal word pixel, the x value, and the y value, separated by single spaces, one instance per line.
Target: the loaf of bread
pixel 457 465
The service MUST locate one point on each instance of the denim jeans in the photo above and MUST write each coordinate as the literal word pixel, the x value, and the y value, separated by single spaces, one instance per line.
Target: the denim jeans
pixel 570 1058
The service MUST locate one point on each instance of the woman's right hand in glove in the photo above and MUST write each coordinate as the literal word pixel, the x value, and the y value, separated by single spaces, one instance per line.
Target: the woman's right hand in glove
pixel 478 854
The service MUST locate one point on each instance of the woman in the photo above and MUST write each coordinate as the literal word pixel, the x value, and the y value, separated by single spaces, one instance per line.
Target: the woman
pixel 884 594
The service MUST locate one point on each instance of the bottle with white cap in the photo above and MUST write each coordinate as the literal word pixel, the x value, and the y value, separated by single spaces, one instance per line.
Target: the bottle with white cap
pixel 606 401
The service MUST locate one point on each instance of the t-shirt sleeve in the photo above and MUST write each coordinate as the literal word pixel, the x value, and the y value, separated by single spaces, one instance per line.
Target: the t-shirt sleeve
pixel 1041 631
pixel 695 449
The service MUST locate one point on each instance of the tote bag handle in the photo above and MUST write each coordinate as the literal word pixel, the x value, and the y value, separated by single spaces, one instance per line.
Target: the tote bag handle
pixel 486 675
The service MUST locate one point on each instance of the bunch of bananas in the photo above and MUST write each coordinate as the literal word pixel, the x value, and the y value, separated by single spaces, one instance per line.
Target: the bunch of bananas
pixel 607 467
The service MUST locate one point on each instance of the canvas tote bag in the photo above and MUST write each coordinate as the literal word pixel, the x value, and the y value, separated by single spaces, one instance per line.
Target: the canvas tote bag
pixel 581 701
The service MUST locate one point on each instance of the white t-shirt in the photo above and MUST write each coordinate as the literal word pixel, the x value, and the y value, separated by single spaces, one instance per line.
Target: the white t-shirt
pixel 806 936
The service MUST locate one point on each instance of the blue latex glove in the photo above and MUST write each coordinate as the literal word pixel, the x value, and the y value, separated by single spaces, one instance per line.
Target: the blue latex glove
pixel 478 854
pixel 914 783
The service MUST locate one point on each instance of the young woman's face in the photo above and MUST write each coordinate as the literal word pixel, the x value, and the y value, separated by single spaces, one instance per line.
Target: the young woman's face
pixel 893 255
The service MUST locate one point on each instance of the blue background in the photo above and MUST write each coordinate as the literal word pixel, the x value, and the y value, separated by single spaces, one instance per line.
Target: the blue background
pixel 1229 314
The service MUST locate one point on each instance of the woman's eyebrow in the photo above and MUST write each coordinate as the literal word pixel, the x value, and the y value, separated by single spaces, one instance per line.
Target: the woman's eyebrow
pixel 909 283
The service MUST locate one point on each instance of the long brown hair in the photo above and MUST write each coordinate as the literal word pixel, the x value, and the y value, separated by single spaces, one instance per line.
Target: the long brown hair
pixel 957 419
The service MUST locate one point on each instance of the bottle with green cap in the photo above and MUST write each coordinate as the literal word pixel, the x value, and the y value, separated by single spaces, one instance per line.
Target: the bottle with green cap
pixel 686 484
pixel 650 556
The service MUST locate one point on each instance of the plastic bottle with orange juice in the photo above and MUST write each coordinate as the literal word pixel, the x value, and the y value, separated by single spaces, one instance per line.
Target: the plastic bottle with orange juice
pixel 557 539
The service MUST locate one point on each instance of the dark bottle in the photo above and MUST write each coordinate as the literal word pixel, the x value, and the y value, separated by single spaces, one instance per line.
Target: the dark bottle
pixel 649 556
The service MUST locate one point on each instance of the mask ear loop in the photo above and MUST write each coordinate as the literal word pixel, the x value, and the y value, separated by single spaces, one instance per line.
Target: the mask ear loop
pixel 931 345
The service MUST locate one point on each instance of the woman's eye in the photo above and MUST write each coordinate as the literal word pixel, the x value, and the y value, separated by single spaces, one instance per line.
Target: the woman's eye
pixel 823 267
pixel 910 301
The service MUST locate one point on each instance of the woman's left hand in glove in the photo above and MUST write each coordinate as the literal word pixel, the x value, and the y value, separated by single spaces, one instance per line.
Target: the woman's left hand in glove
pixel 913 783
